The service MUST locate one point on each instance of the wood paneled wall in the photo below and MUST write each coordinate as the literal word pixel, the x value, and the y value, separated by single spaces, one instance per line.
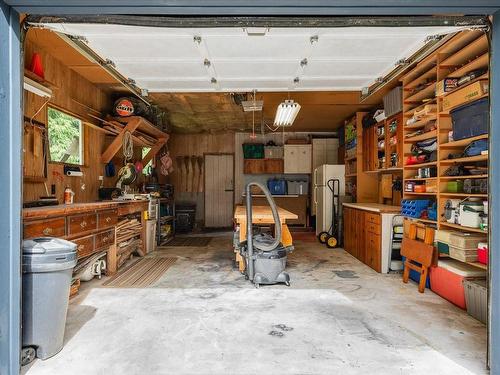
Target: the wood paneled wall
pixel 75 94
pixel 195 145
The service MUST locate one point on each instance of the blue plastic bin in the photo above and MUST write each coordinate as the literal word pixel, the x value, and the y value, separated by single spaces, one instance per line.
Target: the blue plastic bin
pixel 471 119
pixel 277 186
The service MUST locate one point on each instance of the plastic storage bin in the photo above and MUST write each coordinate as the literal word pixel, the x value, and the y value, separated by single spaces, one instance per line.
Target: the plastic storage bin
pixel 470 119
pixel 277 186
pixel 414 207
pixel 47 269
pixel 298 187
pixel 253 150
pixel 476 299
pixel 447 280
pixel 415 276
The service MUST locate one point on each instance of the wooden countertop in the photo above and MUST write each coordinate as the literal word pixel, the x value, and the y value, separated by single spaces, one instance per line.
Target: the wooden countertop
pixel 375 207
pixel 76 208
pixel 262 213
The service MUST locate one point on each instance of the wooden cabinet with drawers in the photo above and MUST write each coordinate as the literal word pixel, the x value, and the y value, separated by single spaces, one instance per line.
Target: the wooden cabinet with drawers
pixel 90 226
pixel 362 236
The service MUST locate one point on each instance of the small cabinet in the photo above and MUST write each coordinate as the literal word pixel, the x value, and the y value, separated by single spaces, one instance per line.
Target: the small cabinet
pixel 298 158
pixel 362 236
pixel 263 166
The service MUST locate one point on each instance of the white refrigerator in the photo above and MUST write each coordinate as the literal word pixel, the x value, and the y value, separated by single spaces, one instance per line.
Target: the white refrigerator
pixel 323 196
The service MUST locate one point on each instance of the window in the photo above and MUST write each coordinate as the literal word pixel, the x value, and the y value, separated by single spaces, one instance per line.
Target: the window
pixel 65 137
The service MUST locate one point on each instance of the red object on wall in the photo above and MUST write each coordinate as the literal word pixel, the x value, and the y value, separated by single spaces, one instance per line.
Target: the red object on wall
pixel 36 65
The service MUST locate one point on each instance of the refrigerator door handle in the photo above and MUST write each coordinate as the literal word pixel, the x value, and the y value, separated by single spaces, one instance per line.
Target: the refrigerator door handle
pixel 314 176
pixel 315 195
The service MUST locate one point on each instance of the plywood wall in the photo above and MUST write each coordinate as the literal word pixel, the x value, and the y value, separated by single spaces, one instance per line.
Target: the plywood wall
pixel 181 145
pixel 75 94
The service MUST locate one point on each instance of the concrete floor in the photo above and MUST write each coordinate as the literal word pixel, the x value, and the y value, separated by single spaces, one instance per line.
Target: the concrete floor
pixel 202 317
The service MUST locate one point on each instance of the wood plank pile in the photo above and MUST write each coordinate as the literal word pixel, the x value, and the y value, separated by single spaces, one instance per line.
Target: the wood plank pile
pixel 128 239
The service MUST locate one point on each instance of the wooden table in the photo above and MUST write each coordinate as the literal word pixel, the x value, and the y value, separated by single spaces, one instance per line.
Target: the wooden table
pixel 261 215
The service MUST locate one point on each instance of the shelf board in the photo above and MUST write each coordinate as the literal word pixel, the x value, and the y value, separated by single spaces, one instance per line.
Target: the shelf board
pixel 463 177
pixel 459 58
pixel 431 73
pixel 479 63
pixel 460 227
pixel 351 175
pixel 478 265
pixel 463 142
pixel 421 165
pixel 464 195
pixel 421 179
pixel 428 221
pixel 351 158
pixel 426 93
pixel 470 159
pixel 421 123
pixel 414 193
pixel 421 137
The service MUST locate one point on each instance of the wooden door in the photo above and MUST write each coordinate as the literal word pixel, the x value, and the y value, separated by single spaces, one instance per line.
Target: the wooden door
pixel 219 190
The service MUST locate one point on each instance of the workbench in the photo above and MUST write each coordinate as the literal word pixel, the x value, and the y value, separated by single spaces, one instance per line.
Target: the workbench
pixel 91 226
pixel 261 215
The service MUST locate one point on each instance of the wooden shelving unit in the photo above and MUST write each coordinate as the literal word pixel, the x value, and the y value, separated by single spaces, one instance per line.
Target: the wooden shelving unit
pixel 465 52
pixel 361 185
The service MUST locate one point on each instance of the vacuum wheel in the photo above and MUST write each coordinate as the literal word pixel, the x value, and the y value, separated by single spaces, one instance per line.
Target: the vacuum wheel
pixel 323 237
pixel 331 242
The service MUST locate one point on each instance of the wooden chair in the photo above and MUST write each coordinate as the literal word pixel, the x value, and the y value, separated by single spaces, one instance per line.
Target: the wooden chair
pixel 420 255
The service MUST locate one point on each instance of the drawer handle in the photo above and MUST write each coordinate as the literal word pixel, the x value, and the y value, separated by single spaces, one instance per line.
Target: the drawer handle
pixel 81 247
pixel 83 224
pixel 108 219
pixel 47 231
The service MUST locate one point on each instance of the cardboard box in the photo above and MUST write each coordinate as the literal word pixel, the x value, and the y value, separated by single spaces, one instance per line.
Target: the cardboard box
pixel 446 85
pixel 467 94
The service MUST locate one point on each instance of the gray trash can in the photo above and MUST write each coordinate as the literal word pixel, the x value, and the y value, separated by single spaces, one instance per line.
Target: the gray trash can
pixel 47 269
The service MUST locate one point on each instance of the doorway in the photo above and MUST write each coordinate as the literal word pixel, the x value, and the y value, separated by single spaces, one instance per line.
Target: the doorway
pixel 219 190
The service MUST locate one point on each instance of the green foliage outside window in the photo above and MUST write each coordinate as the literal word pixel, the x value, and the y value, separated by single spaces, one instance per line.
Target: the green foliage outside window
pixel 65 137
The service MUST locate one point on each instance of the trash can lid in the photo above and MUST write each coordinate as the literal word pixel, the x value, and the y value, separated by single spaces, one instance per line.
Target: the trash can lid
pixel 48 246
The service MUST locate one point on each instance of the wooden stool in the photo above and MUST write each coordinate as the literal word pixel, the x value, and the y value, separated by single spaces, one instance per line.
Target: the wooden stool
pixel 421 252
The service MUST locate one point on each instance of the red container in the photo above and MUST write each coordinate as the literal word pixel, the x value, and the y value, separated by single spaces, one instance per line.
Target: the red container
pixel 482 253
pixel 447 280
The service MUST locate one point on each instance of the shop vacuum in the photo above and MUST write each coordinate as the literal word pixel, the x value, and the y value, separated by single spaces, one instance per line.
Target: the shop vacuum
pixel 265 256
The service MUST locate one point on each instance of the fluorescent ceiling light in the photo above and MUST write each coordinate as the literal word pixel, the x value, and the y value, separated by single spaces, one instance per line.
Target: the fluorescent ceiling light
pixel 286 113
pixel 36 88
pixel 252 105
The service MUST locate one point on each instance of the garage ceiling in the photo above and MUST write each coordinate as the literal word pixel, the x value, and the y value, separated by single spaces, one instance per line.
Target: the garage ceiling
pixel 243 59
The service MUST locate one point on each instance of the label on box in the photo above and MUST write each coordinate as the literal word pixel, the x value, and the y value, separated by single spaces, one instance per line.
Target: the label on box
pixel 446 85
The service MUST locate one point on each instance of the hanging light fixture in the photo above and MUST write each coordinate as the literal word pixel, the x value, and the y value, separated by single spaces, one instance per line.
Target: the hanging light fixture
pixel 286 113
